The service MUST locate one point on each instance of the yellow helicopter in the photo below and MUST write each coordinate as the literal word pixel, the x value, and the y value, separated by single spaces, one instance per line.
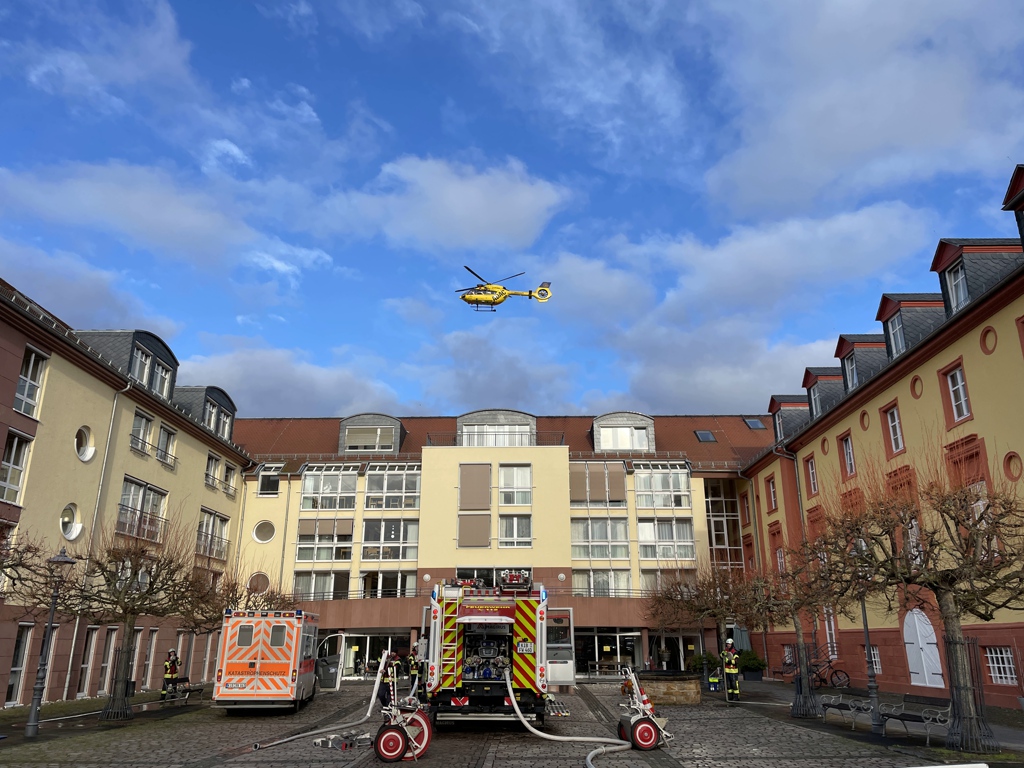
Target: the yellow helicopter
pixel 487 296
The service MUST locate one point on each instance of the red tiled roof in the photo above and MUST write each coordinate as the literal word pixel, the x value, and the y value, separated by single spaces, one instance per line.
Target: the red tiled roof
pixel 287 436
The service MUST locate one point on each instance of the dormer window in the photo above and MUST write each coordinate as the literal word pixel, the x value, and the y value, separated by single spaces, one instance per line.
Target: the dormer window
pixel 141 360
pixel 623 439
pixel 161 379
pixel 224 424
pixel 778 425
pixel 897 343
pixel 210 414
pixel 956 284
pixel 850 369
pixel 370 439
pixel 815 401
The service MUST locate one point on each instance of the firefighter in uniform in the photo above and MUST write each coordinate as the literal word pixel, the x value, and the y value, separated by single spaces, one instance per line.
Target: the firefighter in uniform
pixel 414 670
pixel 387 679
pixel 170 672
pixel 730 660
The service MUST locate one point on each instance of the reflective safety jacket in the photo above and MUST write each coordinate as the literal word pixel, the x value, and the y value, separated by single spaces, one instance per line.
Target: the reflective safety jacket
pixel 729 662
pixel 171 668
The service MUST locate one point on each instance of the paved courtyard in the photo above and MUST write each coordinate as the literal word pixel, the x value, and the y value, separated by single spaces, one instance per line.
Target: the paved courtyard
pixel 195 736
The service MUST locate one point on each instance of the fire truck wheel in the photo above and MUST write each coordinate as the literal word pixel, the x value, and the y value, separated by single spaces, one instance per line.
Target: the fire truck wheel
pixel 645 734
pixel 420 734
pixel 622 733
pixel 390 744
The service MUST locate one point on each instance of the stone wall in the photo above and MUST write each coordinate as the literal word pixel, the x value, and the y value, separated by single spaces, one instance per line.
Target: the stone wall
pixel 672 690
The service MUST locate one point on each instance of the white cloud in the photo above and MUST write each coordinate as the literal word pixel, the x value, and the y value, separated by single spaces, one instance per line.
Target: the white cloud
pixel 373 19
pixel 221 153
pixel 288 261
pixel 299 15
pixel 432 203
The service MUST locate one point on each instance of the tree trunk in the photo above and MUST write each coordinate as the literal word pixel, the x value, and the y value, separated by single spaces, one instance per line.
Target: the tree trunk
pixel 118 707
pixel 968 731
pixel 805 699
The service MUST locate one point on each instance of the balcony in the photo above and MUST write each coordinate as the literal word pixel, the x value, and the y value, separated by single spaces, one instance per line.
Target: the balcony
pixel 209 545
pixel 495 439
pixel 212 482
pixel 228 488
pixel 140 525
pixel 168 459
pixel 139 445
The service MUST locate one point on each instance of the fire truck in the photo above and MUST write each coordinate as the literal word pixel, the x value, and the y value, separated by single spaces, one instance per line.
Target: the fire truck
pixel 478 633
pixel 266 659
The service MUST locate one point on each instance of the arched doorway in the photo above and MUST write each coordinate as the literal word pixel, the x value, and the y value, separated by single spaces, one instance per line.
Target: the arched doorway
pixel 922 650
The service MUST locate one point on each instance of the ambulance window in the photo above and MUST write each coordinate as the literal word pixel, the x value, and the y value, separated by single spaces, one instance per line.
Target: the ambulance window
pixel 277 635
pixel 245 636
pixel 307 647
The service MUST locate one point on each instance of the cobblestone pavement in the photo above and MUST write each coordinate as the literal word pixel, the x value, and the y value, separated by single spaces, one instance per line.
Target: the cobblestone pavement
pixel 198 737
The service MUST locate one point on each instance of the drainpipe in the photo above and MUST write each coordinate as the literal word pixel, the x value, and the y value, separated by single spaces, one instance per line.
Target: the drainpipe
pixel 284 533
pixel 92 532
pixel 241 523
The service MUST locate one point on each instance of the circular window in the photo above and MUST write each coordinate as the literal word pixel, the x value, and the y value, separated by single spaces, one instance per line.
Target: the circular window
pixel 824 445
pixel 83 443
pixel 264 531
pixel 1013 467
pixel 70 523
pixel 865 420
pixel 916 387
pixel 259 583
pixel 988 340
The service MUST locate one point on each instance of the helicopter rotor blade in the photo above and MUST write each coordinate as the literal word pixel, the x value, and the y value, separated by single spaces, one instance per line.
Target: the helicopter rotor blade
pixel 509 277
pixel 474 274
pixel 463 290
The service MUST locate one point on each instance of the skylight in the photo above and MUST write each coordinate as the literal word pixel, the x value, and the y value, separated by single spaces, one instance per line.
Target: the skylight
pixel 705 436
pixel 755 424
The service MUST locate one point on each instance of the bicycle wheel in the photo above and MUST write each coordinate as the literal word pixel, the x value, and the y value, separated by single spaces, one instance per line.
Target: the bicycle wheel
pixel 839 679
pixel 817 680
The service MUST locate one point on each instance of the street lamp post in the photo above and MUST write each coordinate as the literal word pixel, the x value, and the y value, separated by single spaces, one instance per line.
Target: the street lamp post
pixel 876 716
pixel 32 726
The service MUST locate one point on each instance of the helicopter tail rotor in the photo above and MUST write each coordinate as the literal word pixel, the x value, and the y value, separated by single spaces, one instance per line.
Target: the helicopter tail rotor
pixel 543 293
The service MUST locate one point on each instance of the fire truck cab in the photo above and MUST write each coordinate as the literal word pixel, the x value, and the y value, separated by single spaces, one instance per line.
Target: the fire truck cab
pixel 478 633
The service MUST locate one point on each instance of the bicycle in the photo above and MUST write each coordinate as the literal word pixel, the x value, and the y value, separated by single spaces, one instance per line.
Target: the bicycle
pixel 824 674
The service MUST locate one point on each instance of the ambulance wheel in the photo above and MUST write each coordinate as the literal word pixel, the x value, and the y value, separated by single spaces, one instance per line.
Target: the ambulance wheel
pixel 623 736
pixel 390 744
pixel 420 734
pixel 645 734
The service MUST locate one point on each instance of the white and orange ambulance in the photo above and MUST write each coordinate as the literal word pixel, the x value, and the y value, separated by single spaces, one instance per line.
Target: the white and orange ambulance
pixel 266 660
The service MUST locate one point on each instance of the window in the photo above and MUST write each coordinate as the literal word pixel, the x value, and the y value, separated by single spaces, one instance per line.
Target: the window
pixel 745 509
pixel 140 365
pixel 389 584
pixel 270 480
pixel 14 682
pixel 815 401
pixel 140 513
pixel 662 485
pixel 212 470
pixel 600 538
pixel 392 486
pixel 500 435
pixel 514 531
pixel 474 487
pixel 210 414
pixel 489 577
pixel 769 487
pixel 70 522
pixel 705 436
pixel 897 342
pixel 956 283
pixel 83 444
pixel 597 484
pixel 12 469
pixel 244 637
pixel 106 657
pixel 26 397
pixel 474 531
pixel 329 486
pixel 229 479
pixel 165 447
pixel 1000 665
pixel 789 654
pixel 850 369
pixel 666 539
pixel 915 554
pixel 892 418
pixel 161 379
pixel 211 538
pixel 224 424
pixel 325 540
pixel 846 448
pixel 958 394
pixel 151 653
pixel 780 559
pixel 390 539
pixel 754 423
pixel 600 583
pixel 142 425
pixel 515 485
pixel 779 434
pixel 812 476
pixel 369 439
pixel 876 660
pixel 264 531
pixel 623 438
pixel 322 585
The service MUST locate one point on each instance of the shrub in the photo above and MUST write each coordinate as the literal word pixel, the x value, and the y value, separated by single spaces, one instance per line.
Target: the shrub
pixel 696 663
pixel 750 660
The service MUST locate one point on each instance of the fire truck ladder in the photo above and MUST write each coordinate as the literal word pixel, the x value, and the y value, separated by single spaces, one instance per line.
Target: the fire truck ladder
pixel 451 637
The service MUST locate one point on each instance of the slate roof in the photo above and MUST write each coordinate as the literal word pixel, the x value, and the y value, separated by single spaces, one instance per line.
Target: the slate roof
pixel 900 297
pixel 790 398
pixel 826 371
pixel 983 241
pixel 863 338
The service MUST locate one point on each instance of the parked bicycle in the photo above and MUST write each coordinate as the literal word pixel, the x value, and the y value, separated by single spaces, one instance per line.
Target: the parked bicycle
pixel 824 674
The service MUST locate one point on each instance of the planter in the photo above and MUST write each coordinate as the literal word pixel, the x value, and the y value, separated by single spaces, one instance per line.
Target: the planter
pixel 676 688
pixel 753 674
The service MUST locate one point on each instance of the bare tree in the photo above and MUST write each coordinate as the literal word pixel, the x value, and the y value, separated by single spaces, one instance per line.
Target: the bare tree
pixel 945 543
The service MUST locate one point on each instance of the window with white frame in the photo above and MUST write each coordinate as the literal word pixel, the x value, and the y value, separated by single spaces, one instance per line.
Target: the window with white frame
pixel 652 582
pixel 329 486
pixel 498 435
pixel 600 583
pixel 142 426
pixel 958 394
pixel 489 577
pixel 324 547
pixel 666 539
pixel 956 283
pixel 30 381
pixel 390 539
pixel 369 439
pixel 515 485
pixel 515 531
pixel 1001 668
pixel 161 379
pixel 850 367
pixel 600 538
pixel 780 559
pixel 392 486
pixel 212 470
pixel 897 341
pixel 212 535
pixel 106 659
pixel 321 585
pixel 228 485
pixel 269 480
pixel 224 424
pixel 848 463
pixel 773 499
pixel 624 439
pixel 789 653
pixel 876 660
pixel 15 681
pixel 812 475
pixel 892 418
pixel 815 401
pixel 141 511
pixel 210 411
pixel 389 584
pixel 141 360
pixel 165 446
pixel 12 469
pixel 779 434
pixel 662 485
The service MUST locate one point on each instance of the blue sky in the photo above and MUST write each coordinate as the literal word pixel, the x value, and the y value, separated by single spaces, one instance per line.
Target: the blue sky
pixel 287 190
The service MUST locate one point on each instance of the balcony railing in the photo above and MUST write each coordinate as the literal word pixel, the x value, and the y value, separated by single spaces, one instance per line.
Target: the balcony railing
pixel 140 525
pixel 495 439
pixel 166 458
pixel 211 481
pixel 211 546
pixel 140 445
pixel 228 488
pixel 563 592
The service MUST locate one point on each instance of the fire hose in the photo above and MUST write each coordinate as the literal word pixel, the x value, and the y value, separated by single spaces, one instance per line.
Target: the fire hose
pixel 619 744
pixel 339 726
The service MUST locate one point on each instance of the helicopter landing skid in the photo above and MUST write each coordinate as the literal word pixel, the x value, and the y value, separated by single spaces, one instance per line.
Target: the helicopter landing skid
pixel 479 308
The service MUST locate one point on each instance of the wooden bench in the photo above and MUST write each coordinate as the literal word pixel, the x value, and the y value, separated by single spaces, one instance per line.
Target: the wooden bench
pixel 847 705
pixel 935 713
